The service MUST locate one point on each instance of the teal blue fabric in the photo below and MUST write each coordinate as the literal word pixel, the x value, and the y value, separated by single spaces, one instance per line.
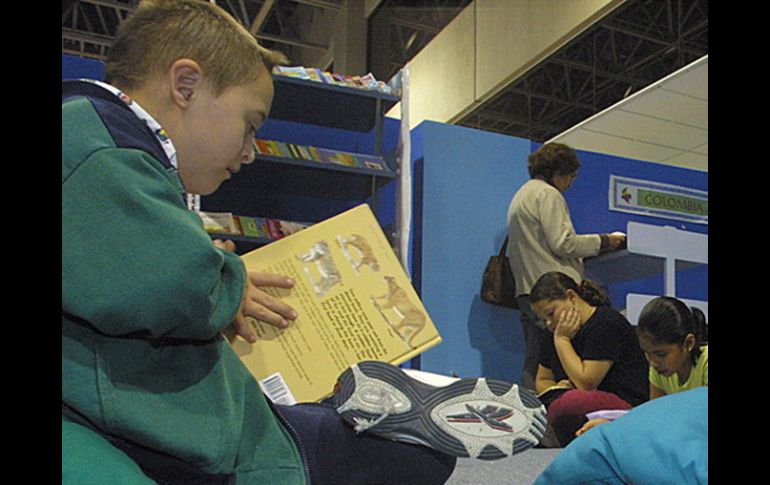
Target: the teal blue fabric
pixel 145 295
pixel 89 459
pixel 664 441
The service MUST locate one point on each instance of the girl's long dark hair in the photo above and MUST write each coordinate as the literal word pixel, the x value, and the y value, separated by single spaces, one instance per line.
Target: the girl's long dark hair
pixel 554 286
pixel 667 320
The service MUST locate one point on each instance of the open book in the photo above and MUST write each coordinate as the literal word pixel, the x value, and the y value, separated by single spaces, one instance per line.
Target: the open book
pixel 552 392
pixel 354 303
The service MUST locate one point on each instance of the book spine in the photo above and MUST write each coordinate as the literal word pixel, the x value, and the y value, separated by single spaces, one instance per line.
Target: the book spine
pixel 262 147
pixel 293 150
pixel 304 153
pixel 282 149
pixel 314 154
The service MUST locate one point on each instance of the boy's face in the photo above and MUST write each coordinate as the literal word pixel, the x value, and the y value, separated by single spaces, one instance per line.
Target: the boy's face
pixel 218 135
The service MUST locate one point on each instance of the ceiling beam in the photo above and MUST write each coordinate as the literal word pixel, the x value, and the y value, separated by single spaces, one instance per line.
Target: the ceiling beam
pixel 289 41
pixel 261 17
pixel 320 4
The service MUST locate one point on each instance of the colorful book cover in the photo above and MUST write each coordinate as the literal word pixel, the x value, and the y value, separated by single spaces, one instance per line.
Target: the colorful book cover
pixel 368 161
pixel 274 229
pixel 263 147
pixel 293 151
pixel 314 154
pixel 354 303
pixel 289 71
pixel 347 159
pixel 219 222
pixel 275 148
pixel 314 74
pixel 304 153
pixel 283 150
pixel 340 158
pixel 254 226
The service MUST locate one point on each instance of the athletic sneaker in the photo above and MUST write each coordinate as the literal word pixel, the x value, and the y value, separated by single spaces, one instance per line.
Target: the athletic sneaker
pixel 480 418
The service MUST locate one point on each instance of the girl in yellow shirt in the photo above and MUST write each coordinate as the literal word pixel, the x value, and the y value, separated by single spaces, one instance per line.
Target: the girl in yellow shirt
pixel 674 339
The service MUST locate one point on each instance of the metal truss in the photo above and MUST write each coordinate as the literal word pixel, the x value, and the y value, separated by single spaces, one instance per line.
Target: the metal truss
pixel 399 29
pixel 633 46
pixel 639 43
pixel 89 26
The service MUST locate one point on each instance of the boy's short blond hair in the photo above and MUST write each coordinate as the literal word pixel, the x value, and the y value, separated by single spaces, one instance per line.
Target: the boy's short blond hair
pixel 159 32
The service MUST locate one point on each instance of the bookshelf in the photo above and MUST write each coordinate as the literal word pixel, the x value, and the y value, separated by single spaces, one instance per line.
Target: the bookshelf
pixel 306 190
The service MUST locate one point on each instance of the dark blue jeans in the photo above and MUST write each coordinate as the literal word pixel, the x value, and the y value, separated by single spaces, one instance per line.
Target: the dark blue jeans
pixel 334 453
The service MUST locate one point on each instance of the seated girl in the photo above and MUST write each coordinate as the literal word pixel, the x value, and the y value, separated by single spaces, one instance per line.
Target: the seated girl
pixel 592 354
pixel 674 340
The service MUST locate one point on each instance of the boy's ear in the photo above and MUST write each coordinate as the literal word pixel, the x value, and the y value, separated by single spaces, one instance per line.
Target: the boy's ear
pixel 186 77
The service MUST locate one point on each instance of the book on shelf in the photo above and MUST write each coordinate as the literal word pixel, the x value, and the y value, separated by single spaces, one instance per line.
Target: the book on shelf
pixel 219 222
pixel 263 147
pixel 278 228
pixel 374 163
pixel 321 155
pixel 254 227
pixel 304 154
pixel 279 148
pixel 293 152
pixel 366 82
pixel 354 302
pixel 337 157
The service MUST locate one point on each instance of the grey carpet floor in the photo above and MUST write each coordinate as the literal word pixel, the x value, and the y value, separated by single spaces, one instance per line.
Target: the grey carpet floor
pixel 520 469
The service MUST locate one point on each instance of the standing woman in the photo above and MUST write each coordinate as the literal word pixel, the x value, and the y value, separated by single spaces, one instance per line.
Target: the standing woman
pixel 541 237
pixel 592 354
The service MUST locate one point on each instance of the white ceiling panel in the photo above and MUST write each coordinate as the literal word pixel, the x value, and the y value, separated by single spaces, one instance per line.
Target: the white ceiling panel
pixel 671 106
pixel 667 122
pixel 692 80
pixel 692 160
pixel 615 145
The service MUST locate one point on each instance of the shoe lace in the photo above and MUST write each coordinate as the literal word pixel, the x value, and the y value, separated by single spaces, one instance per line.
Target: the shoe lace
pixel 388 407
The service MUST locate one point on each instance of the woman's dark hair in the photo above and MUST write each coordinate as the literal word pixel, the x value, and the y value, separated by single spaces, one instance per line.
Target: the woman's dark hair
pixel 554 286
pixel 552 159
pixel 667 320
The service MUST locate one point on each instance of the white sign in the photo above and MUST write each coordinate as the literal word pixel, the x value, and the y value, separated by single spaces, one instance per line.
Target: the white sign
pixel 658 200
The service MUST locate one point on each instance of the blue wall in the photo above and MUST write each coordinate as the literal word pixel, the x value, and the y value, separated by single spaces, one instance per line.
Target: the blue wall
pixel 73 67
pixel 464 182
pixel 468 179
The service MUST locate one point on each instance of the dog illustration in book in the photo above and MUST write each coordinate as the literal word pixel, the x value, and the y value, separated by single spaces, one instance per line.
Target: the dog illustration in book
pixel 321 270
pixel 365 255
pixel 410 318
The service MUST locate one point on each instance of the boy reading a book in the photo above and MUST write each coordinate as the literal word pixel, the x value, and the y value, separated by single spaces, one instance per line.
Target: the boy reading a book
pixel 151 391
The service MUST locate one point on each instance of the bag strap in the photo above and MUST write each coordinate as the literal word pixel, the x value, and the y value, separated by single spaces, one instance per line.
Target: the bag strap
pixel 503 247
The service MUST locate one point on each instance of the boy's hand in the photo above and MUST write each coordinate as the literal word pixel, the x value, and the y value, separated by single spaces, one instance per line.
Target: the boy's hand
pixel 258 304
pixel 225 245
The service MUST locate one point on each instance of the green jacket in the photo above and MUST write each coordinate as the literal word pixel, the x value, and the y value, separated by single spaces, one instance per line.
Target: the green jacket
pixel 145 295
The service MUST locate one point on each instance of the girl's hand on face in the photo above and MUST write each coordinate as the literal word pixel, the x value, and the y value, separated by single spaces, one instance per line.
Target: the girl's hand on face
pixel 568 324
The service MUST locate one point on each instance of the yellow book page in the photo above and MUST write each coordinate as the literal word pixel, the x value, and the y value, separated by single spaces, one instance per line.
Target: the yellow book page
pixel 354 303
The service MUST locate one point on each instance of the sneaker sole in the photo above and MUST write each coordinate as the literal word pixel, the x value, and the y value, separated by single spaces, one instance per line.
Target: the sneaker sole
pixel 479 418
